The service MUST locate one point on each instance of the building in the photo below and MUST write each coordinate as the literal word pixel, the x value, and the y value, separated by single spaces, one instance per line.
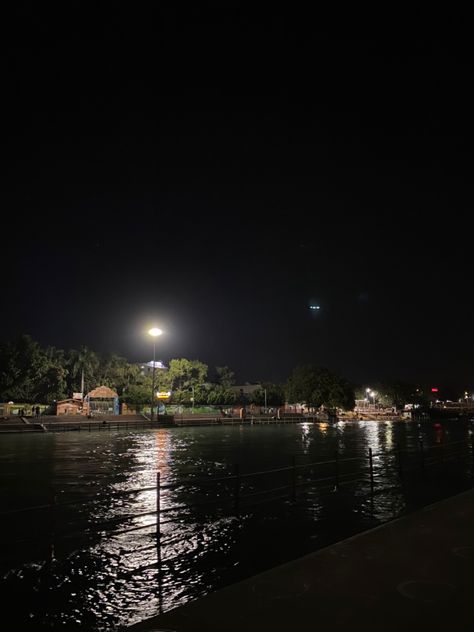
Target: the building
pixel 69 406
pixel 146 368
pixel 100 401
pixel 244 391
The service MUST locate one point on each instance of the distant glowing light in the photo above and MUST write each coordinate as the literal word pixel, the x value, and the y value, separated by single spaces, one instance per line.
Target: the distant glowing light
pixel 154 331
pixel 315 307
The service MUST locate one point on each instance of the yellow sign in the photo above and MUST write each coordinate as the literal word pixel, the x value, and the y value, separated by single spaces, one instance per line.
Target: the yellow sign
pixel 163 394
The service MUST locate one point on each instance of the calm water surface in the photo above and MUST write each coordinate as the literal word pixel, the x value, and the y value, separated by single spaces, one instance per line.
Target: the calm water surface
pixel 105 577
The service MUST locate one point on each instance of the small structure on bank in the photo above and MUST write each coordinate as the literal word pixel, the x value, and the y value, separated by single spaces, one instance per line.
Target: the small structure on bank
pixel 70 406
pixel 100 401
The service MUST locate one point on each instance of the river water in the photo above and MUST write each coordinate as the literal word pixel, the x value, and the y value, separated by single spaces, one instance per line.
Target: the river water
pixel 99 570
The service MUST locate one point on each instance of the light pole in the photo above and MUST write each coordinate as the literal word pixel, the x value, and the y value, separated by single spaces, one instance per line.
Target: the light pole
pixel 154 332
pixel 367 397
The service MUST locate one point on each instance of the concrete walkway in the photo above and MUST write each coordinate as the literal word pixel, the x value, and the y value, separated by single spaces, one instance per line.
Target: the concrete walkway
pixel 415 573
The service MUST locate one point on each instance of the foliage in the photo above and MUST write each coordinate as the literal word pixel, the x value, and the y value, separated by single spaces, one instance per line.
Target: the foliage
pixel 275 395
pixel 225 377
pixel 32 374
pixel 29 373
pixel 82 362
pixel 137 394
pixel 395 394
pixel 317 386
pixel 219 394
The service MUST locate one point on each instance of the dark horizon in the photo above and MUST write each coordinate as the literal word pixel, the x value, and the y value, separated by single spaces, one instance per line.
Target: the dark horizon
pixel 227 173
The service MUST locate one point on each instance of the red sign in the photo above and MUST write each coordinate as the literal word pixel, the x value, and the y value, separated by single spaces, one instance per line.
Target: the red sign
pixel 434 390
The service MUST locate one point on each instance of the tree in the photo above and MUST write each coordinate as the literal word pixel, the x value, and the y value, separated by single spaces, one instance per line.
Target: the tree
pixel 137 394
pixel 218 394
pixel 225 377
pixel 317 386
pixel 275 395
pixel 117 373
pixel 30 374
pixel 182 376
pixel 82 362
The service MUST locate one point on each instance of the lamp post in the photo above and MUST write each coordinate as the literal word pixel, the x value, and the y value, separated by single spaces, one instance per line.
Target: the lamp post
pixel 369 394
pixel 154 332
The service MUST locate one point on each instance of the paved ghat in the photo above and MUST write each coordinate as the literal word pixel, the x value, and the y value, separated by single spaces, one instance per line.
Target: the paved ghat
pixel 415 573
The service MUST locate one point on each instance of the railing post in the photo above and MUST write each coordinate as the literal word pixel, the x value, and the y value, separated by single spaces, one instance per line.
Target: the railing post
pixel 371 468
pixel 336 470
pixel 237 488
pixel 52 527
pixel 422 454
pixel 158 542
pixel 158 510
pixel 293 478
pixel 399 456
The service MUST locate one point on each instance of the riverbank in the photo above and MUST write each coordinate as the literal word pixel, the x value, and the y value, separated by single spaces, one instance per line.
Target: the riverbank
pixel 374 416
pixel 68 423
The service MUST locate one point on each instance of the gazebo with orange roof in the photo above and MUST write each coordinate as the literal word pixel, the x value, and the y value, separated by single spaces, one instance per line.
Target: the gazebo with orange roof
pixel 102 401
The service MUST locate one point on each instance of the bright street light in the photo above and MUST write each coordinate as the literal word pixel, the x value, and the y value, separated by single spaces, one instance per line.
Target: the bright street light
pixel 154 332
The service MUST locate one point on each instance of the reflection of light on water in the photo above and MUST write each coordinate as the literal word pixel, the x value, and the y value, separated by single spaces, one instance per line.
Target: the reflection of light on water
pixel 323 426
pixel 372 435
pixel 389 436
pixel 164 457
pixel 305 437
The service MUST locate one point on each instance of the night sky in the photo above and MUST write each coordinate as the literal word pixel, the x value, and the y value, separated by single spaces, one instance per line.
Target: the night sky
pixel 217 172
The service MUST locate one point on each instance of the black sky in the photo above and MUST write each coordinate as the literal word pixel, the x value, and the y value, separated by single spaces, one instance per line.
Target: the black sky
pixel 218 171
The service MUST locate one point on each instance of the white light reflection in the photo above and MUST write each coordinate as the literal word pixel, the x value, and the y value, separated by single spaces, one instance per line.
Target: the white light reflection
pixel 157 457
pixel 389 435
pixel 305 437
pixel 372 432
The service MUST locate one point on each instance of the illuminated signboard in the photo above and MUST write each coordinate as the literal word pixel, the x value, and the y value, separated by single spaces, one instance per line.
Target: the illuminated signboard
pixel 163 394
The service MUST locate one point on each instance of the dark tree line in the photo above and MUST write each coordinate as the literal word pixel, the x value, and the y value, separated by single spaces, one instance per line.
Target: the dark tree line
pixel 31 373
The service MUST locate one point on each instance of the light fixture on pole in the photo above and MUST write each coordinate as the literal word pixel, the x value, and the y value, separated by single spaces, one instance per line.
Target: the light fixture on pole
pixel 154 332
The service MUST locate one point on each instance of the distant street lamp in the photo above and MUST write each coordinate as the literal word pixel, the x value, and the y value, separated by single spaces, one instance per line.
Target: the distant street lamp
pixel 370 394
pixel 154 332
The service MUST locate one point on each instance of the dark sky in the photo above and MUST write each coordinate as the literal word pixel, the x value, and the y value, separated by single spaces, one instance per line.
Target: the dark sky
pixel 218 171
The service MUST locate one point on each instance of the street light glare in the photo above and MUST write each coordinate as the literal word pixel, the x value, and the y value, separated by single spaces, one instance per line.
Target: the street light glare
pixel 154 331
